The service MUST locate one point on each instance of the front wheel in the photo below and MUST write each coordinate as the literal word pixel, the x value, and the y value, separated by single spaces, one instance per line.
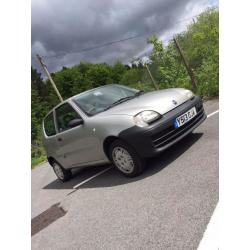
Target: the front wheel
pixel 126 159
pixel 61 173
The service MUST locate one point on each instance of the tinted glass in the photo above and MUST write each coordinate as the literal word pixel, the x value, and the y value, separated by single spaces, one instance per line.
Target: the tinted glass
pixel 98 100
pixel 65 114
pixel 49 125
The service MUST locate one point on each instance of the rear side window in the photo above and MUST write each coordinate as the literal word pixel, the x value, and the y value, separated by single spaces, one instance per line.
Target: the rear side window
pixel 49 125
pixel 64 114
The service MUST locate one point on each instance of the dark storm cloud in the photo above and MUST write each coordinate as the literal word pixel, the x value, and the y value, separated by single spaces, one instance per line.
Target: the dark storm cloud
pixel 63 26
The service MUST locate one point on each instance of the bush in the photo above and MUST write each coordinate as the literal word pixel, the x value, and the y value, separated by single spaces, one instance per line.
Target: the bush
pixel 38 155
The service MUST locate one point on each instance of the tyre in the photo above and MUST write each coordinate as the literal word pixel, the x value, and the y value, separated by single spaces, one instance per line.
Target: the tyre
pixel 61 173
pixel 126 159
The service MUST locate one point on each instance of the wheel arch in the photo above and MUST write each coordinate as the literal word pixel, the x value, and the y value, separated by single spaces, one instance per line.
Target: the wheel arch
pixel 107 142
pixel 51 160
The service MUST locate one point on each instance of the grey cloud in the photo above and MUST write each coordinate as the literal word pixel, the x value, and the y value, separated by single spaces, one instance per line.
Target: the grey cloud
pixel 63 26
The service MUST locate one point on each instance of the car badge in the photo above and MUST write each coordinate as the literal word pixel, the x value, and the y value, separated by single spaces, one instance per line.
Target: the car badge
pixel 174 102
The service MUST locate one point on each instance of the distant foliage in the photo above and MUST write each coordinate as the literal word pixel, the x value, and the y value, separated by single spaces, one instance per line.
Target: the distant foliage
pixel 200 44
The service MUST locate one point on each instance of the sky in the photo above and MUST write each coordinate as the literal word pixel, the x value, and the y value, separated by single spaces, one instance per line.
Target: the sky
pixel 59 27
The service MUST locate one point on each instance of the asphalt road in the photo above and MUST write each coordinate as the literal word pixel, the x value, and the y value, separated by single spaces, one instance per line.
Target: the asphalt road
pixel 167 207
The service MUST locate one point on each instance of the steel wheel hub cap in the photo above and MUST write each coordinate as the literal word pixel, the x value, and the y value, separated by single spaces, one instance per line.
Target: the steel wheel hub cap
pixel 123 160
pixel 58 171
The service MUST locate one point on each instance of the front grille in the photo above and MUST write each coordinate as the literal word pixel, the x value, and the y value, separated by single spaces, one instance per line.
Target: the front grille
pixel 170 133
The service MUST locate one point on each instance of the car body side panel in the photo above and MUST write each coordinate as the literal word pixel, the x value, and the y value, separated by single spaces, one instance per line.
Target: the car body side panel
pixel 50 145
pixel 77 146
pixel 110 125
pixel 83 145
pixel 49 142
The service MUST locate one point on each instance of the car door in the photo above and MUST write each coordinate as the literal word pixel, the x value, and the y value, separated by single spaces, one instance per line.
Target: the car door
pixel 76 145
pixel 49 130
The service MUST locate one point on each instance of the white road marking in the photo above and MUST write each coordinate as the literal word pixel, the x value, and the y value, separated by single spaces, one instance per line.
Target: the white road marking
pixel 92 177
pixel 213 113
pixel 210 240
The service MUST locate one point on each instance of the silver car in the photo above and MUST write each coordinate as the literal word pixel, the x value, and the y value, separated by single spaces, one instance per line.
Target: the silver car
pixel 118 124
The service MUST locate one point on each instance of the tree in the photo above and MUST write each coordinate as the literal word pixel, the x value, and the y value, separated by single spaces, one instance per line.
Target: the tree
pixel 99 74
pixel 200 43
pixel 168 67
pixel 117 71
pixel 39 105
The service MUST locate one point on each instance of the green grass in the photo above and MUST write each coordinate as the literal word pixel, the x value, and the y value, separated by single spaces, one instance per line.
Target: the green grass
pixel 38 155
pixel 37 160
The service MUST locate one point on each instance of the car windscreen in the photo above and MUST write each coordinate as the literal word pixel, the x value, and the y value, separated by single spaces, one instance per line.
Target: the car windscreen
pixel 98 100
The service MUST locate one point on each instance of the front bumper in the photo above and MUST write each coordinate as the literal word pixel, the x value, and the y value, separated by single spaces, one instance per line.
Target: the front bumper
pixel 160 135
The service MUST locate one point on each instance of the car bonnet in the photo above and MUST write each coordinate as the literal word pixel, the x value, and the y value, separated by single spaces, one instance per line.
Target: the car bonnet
pixel 160 101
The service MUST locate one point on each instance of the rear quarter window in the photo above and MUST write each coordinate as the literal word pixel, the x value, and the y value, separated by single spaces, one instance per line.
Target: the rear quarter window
pixel 49 125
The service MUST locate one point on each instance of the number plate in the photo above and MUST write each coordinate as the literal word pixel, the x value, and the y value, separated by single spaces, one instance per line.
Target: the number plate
pixel 184 118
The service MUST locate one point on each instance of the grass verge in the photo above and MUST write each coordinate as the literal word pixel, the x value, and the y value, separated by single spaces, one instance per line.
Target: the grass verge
pixel 37 160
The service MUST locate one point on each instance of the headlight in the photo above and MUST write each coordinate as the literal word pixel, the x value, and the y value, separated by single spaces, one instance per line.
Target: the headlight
pixel 189 94
pixel 144 118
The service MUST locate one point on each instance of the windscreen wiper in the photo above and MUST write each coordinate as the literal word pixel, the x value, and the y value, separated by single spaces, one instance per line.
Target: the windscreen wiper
pixel 119 101
pixel 139 93
pixel 124 99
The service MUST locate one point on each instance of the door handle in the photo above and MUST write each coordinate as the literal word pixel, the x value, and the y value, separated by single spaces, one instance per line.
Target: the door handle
pixel 59 139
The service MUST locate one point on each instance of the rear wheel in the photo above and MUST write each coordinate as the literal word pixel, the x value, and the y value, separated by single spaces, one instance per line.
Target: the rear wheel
pixel 61 173
pixel 126 159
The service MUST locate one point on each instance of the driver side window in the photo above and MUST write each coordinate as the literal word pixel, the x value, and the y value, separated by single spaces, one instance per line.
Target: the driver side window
pixel 64 114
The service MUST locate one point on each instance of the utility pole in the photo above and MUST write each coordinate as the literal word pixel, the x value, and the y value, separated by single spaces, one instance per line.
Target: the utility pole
pixel 49 76
pixel 189 69
pixel 155 84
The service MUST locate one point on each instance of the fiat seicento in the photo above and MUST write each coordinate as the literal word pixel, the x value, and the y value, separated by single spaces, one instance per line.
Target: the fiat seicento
pixel 118 124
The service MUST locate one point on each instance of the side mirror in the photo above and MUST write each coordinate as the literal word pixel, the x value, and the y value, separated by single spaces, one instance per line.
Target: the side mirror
pixel 75 122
